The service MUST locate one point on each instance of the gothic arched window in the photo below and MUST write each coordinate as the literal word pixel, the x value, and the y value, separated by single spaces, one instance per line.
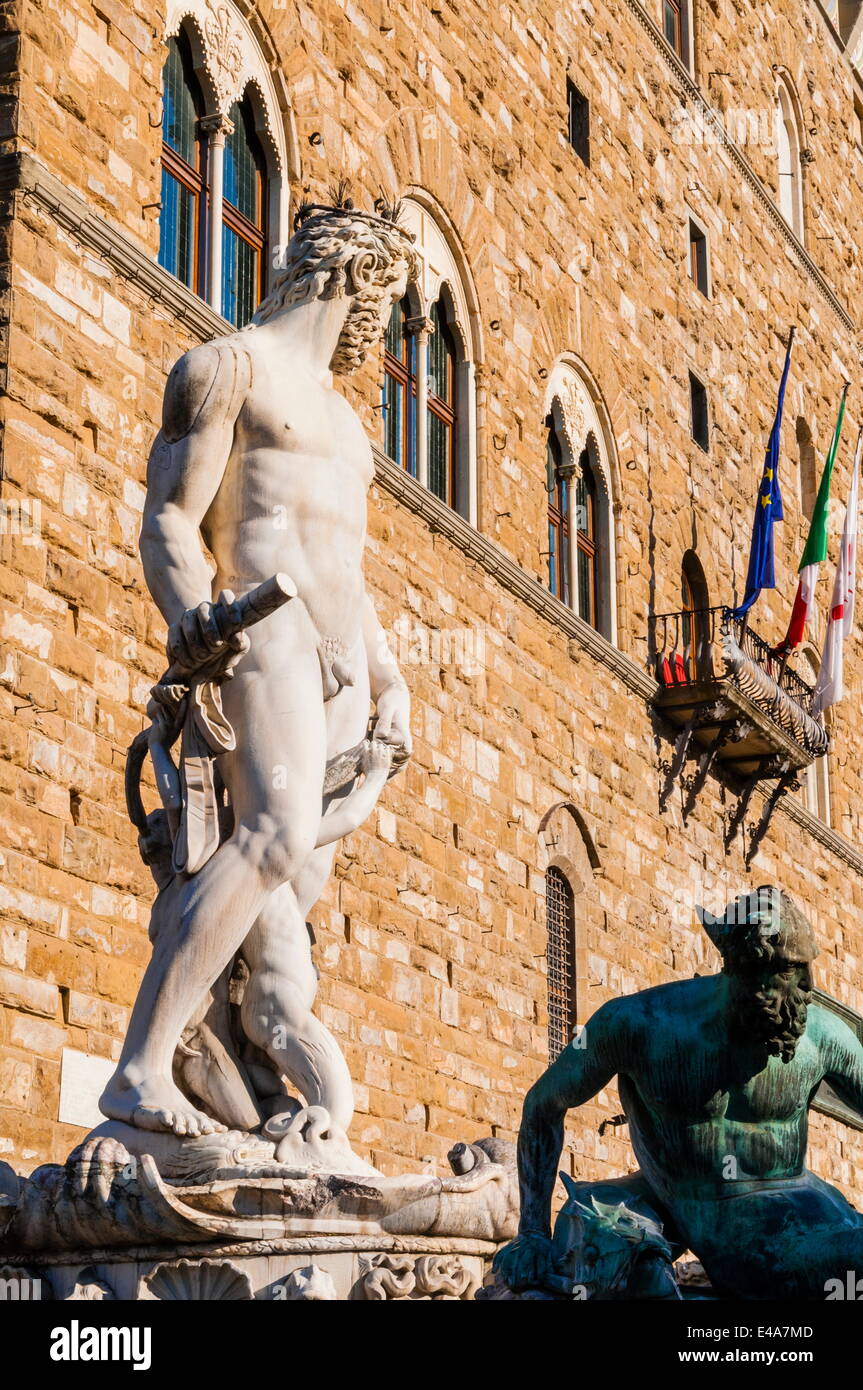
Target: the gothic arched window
pixel 429 390
pixel 225 197
pixel 184 167
pixel 400 389
pixel 442 389
pixel 580 467
pixel 789 161
pixel 694 622
pixel 560 960
pixel 587 538
pixel 243 217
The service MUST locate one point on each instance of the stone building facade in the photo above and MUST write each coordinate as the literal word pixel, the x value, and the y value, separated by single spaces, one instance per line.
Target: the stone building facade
pixel 623 207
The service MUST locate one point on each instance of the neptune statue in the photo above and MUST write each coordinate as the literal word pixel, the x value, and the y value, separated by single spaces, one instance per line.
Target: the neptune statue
pixel 716 1077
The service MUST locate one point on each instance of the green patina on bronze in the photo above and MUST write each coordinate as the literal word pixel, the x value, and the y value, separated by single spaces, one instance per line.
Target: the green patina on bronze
pixel 716 1076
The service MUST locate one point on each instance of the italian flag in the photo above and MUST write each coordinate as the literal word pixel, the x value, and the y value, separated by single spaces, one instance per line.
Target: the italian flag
pixel 816 545
pixel 830 687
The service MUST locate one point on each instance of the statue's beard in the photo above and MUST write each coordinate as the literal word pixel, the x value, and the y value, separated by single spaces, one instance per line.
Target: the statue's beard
pixel 775 1016
pixel 362 330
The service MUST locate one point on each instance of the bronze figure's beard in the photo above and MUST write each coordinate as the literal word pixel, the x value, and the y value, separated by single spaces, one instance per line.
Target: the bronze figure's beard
pixel 775 1016
pixel 362 330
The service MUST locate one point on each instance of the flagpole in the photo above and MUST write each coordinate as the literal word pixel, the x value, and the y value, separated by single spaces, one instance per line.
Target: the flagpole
pixel 815 550
pixel 768 508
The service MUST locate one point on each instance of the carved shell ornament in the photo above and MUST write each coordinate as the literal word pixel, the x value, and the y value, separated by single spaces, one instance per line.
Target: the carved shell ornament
pixel 224 52
pixel 193 1280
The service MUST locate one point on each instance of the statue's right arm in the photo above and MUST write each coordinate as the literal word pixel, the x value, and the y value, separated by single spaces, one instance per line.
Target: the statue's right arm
pixel 184 472
pixel 581 1070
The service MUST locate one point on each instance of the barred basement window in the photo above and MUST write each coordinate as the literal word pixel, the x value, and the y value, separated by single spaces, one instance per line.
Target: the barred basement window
pixel 560 957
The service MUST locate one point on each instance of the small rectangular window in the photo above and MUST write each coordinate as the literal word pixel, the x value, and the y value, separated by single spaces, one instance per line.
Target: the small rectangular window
pixel 858 122
pixel 578 116
pixel 677 28
pixel 672 19
pixel 698 258
pixel 698 412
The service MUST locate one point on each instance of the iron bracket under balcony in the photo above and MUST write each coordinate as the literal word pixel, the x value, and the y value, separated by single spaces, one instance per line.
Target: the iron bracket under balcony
pixel 723 685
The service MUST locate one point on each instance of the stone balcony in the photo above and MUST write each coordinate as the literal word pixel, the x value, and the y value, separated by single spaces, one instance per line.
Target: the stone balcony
pixel 722 685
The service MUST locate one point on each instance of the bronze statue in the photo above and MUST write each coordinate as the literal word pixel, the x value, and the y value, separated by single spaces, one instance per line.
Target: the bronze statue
pixel 716 1077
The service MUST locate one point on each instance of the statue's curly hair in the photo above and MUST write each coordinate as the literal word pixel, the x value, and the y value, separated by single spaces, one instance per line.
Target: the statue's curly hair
pixel 321 253
pixel 759 928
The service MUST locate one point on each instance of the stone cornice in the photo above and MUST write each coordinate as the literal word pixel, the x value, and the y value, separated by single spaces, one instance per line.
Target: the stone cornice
pixel 23 174
pixel 830 839
pixel 495 561
pixel 714 119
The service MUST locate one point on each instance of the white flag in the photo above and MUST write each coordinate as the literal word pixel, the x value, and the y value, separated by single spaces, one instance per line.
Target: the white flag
pixel 829 687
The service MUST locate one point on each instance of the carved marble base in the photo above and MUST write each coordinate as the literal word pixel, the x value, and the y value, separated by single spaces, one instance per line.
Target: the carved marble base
pixel 232 1222
pixel 304 1269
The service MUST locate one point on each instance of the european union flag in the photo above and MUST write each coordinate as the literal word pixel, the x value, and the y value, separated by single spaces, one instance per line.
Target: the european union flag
pixel 768 508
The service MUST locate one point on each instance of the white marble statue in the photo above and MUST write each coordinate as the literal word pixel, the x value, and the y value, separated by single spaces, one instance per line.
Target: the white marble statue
pixel 275 660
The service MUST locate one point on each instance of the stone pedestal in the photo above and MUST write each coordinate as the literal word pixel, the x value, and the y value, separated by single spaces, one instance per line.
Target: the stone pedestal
pixel 320 1267
pixel 109 1224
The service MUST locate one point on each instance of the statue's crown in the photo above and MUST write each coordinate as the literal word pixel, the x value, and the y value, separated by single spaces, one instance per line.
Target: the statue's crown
pixel 386 214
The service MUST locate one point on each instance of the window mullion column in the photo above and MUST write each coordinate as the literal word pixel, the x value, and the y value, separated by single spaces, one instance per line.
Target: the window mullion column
pixel 420 328
pixel 215 127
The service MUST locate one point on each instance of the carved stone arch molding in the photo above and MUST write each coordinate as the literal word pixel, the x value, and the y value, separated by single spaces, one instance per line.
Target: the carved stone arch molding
pixel 444 269
pixel 565 843
pixel 414 159
pixel 690 531
pixel 235 57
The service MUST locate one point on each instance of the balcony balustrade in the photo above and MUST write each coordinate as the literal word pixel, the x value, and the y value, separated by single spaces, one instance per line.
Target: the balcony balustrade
pixel 726 687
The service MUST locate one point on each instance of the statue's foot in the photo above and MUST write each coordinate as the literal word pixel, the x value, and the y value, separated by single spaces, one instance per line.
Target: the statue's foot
pixel 156 1104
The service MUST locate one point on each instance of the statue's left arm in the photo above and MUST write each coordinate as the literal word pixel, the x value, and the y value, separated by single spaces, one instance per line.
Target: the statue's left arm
pixel 388 687
pixel 844 1062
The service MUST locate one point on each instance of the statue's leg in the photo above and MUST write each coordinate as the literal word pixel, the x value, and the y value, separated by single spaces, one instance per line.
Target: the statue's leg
pixel 802 1241
pixel 277 1004
pixel 275 705
pixel 277 1009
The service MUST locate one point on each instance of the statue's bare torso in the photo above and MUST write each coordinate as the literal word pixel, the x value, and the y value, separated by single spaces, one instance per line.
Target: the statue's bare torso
pixel 293 494
pixel 719 1128
pixel 703 1109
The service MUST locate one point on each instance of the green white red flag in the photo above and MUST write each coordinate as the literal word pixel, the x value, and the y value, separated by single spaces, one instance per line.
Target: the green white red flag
pixel 815 551
pixel 830 687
